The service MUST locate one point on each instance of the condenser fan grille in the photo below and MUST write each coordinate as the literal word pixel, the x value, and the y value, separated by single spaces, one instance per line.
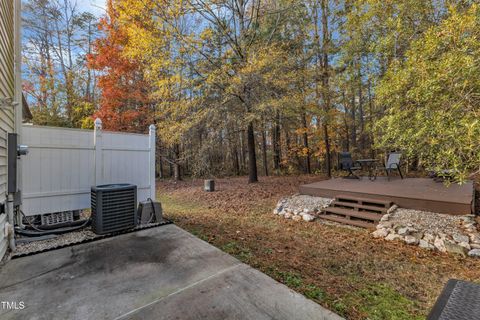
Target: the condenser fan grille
pixel 113 207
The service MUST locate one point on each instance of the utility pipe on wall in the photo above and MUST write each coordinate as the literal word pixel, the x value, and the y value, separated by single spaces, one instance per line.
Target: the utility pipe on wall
pixel 10 223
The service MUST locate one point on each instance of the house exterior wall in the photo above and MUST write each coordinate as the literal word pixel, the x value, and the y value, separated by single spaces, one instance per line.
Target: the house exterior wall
pixel 7 87
pixel 9 92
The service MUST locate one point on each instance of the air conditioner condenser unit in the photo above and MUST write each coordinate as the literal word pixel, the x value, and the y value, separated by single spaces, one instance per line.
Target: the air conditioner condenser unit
pixel 114 207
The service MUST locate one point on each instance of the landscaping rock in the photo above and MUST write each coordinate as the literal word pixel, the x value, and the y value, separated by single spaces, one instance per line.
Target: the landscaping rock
pixel 385 217
pixel 392 209
pixel 470 225
pixel 442 235
pixel 380 233
pixel 312 213
pixel 301 206
pixel 429 237
pixel 460 238
pixel 297 218
pixel 474 253
pixel 417 234
pixel 465 245
pixel 474 238
pixel 428 222
pixel 60 240
pixel 429 230
pixel 455 248
pixel 385 224
pixel 425 244
pixel 393 236
pixel 468 218
pixel 308 217
pixel 410 239
pixel 439 243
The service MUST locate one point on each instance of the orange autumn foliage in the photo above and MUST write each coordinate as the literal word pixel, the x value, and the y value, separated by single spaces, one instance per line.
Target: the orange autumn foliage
pixel 125 103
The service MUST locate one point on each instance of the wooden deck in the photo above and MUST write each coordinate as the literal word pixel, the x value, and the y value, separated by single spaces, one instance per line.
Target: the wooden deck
pixel 413 193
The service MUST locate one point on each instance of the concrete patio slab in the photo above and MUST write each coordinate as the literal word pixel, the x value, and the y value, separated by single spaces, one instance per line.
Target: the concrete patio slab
pixel 159 273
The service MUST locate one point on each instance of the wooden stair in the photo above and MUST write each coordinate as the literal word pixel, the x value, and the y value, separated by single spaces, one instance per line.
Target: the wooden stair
pixel 356 211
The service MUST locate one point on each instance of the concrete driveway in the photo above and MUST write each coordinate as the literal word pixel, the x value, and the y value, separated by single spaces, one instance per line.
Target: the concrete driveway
pixel 158 273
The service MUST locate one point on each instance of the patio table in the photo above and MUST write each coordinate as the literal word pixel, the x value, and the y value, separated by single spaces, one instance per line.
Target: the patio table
pixel 370 166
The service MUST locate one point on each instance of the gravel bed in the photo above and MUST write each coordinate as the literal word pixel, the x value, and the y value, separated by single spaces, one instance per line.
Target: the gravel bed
pixel 308 203
pixel 300 202
pixel 428 221
pixel 69 238
pixel 59 240
pixel 301 207
pixel 429 230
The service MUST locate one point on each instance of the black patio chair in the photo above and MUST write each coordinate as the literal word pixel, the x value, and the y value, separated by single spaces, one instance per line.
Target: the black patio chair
pixel 393 164
pixel 345 163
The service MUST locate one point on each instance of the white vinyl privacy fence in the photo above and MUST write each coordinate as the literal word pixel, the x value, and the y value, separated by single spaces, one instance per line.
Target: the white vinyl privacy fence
pixel 63 164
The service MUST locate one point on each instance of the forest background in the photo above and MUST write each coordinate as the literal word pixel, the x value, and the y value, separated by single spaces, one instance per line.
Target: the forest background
pixel 263 87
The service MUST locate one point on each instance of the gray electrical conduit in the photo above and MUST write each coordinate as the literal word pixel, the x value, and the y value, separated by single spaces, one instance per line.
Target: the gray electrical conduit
pixel 55 226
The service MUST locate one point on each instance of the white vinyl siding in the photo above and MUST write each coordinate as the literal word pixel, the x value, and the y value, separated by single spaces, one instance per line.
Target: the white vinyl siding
pixel 7 85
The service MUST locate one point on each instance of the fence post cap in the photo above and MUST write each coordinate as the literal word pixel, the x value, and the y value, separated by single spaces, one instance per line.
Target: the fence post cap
pixel 152 127
pixel 98 123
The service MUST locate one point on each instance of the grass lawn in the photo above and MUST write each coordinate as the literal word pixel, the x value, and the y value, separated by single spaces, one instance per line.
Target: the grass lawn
pixel 342 269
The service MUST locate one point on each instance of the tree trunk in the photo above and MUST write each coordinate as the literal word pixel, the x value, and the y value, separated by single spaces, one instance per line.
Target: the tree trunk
pixel 287 142
pixel 242 151
pixel 370 106
pixel 252 157
pixel 346 143
pixel 176 166
pixel 160 167
pixel 264 152
pixel 170 166
pixel 276 143
pixel 236 164
pixel 360 110
pixel 176 172
pixel 308 168
pixel 233 146
pixel 328 160
pixel 354 120
pixel 325 82
pixel 347 137
pixel 322 48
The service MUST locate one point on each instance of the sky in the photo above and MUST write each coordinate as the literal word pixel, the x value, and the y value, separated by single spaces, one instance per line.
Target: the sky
pixel 97 7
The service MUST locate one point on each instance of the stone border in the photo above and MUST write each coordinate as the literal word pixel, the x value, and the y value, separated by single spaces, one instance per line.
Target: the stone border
pixel 301 207
pixel 465 239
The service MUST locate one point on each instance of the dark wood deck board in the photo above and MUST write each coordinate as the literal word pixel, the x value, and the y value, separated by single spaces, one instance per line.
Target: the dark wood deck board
pixel 415 193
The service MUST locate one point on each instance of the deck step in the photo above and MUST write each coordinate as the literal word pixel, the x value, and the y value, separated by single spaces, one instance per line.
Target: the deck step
pixel 370 216
pixel 359 207
pixel 364 201
pixel 356 211
pixel 357 223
